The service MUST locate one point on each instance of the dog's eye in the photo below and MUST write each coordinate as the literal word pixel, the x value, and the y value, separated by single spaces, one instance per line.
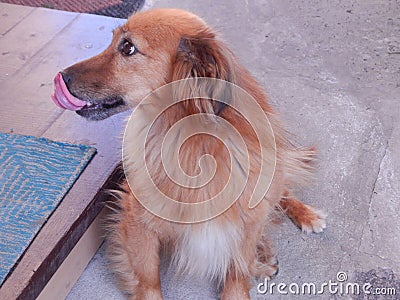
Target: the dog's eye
pixel 127 48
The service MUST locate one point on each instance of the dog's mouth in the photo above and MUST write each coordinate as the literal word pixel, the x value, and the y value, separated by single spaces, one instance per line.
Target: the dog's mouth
pixel 102 109
pixel 92 109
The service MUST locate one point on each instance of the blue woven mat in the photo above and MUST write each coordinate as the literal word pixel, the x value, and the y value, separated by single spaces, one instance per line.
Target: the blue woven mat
pixel 35 174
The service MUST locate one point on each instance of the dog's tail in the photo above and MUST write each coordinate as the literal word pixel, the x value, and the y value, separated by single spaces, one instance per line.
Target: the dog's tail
pixel 299 165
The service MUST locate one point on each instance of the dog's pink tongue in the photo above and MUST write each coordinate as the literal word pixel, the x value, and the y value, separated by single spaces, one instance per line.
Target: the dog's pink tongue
pixel 63 98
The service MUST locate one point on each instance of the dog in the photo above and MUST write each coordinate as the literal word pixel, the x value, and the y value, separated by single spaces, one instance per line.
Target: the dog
pixel 160 47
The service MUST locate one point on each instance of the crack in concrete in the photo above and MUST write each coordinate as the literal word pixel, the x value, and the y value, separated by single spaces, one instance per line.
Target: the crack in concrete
pixel 340 269
pixel 379 171
pixel 388 260
pixel 367 223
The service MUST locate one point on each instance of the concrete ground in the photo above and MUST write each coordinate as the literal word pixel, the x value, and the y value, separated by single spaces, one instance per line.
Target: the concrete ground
pixel 332 69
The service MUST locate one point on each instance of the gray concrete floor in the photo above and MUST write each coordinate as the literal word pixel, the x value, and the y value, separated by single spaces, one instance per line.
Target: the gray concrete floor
pixel 332 69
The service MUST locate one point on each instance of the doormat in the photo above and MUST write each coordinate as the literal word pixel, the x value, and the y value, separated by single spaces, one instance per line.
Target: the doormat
pixel 35 175
pixel 112 8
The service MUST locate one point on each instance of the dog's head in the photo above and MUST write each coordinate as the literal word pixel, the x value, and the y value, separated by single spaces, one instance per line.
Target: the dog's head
pixel 153 48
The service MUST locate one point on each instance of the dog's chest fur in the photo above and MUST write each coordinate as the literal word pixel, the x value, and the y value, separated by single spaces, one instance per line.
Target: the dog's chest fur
pixel 208 250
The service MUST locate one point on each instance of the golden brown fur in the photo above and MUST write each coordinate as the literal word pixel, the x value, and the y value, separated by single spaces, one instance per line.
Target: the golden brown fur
pixel 176 45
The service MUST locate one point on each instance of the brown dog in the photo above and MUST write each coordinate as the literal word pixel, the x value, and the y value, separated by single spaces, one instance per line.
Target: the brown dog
pixel 152 49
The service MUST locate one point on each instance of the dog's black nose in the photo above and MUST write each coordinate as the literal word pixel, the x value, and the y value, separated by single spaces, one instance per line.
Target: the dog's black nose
pixel 67 77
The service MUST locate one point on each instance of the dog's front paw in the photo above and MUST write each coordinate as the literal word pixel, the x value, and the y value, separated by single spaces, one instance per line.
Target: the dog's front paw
pixel 271 268
pixel 266 264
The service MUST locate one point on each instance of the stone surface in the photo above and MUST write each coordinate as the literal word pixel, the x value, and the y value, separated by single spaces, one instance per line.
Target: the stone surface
pixel 332 70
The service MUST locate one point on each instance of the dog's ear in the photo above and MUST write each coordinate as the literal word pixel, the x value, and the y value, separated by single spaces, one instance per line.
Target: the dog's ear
pixel 204 56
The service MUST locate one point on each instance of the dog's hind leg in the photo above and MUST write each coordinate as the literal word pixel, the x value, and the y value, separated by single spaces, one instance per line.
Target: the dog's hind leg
pixel 306 217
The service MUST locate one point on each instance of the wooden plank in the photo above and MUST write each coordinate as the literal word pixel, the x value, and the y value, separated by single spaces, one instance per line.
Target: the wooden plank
pixel 11 15
pixel 28 109
pixel 30 35
pixel 55 241
pixel 19 93
pixel 71 269
pixel 26 94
